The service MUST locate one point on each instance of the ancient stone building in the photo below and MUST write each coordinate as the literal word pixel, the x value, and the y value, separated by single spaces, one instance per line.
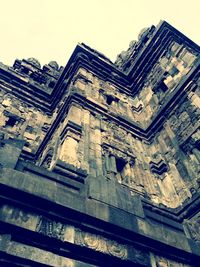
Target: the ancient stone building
pixel 99 161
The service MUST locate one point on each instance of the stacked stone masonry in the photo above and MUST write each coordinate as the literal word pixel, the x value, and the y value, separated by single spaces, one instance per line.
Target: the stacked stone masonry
pixel 100 161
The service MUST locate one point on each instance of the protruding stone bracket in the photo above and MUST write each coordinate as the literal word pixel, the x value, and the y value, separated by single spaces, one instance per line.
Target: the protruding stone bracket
pixel 72 129
pixel 158 167
pixel 70 171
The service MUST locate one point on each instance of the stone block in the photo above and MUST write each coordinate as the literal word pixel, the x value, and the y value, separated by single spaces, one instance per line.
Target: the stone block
pixel 12 149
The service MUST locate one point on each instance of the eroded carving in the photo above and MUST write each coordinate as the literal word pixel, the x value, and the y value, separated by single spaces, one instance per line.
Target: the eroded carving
pixel 101 244
pixel 164 262
pixel 51 228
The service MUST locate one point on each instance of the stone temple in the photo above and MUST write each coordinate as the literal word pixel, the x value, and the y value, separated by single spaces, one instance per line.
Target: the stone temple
pixel 100 161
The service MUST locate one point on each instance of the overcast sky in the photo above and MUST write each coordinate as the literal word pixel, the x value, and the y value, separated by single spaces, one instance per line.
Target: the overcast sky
pixel 50 29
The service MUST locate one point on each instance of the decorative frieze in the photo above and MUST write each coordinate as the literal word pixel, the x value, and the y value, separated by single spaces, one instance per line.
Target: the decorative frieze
pixel 159 261
pixel 82 127
pixel 111 247
pixel 101 244
pixel 19 217
pixel 51 228
pixel 71 234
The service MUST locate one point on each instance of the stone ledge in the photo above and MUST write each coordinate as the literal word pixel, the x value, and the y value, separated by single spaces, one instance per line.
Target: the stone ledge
pixel 88 209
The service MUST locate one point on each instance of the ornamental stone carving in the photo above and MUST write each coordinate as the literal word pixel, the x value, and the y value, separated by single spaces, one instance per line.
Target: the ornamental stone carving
pixel 116 132
pixel 164 262
pixel 116 249
pixel 118 138
pixel 19 217
pixel 101 244
pixel 51 228
pixel 118 165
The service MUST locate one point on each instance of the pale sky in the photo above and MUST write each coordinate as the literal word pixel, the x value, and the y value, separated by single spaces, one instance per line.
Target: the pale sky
pixel 50 29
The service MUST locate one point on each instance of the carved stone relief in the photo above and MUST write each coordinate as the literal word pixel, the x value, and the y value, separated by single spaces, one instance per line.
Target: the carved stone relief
pixel 20 120
pixel 185 120
pixel 163 79
pixel 92 241
pixel 164 262
pixel 191 148
pixel 101 244
pixel 117 164
pixel 19 217
pixel 51 228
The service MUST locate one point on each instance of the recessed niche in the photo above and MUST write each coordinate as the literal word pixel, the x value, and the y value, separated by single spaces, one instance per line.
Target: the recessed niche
pixel 120 164
pixel 109 99
pixel 11 122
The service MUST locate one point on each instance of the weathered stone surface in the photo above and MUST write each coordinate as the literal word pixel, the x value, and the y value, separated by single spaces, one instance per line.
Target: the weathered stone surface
pixel 192 227
pixel 102 157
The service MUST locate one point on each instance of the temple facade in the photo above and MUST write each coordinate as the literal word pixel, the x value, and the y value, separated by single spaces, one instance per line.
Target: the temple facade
pixel 100 161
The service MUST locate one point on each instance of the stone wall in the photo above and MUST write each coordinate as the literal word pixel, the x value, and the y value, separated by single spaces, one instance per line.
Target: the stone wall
pixel 100 162
pixel 21 120
pixel 163 79
pixel 164 170
pixel 95 141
